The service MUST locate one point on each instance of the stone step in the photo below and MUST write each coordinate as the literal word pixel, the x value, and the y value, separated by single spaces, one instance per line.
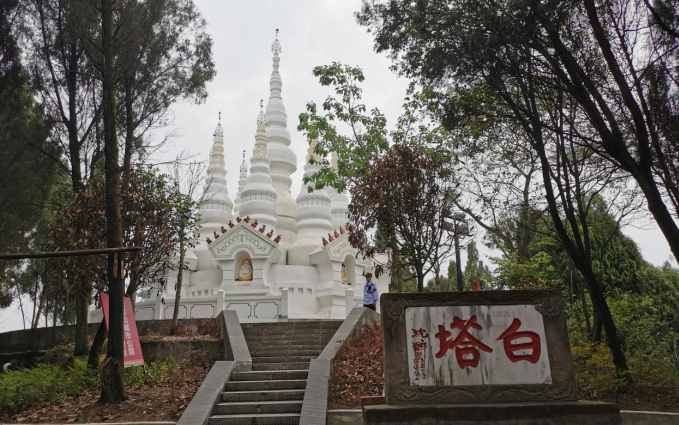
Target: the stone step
pixel 258 407
pixel 292 353
pixel 293 323
pixel 258 396
pixel 276 338
pixel 281 359
pixel 280 366
pixel 271 375
pixel 283 348
pixel 292 384
pixel 263 419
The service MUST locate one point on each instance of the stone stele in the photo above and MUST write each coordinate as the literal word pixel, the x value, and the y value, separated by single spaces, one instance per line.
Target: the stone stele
pixel 479 356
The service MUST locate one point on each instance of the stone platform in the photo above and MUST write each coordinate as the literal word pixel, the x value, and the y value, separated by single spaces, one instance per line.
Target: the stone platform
pixel 542 413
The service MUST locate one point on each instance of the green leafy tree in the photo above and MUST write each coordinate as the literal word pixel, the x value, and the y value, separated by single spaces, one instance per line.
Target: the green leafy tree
pixel 475 270
pixel 27 176
pixel 400 181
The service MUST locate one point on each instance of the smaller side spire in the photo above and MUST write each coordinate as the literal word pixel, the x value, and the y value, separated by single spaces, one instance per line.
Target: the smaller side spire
pixel 244 164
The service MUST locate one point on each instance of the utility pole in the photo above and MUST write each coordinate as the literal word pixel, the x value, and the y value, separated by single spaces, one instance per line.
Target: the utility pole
pixel 459 227
pixel 458 261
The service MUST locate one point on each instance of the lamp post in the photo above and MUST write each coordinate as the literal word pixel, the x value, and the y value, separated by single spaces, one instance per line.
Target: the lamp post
pixel 459 227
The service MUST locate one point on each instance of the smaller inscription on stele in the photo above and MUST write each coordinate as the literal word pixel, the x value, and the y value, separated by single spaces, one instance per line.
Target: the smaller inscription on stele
pixel 476 345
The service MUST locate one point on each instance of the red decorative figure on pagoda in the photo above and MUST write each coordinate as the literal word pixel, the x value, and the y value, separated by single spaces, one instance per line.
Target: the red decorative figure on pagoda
pixel 268 235
pixel 511 334
pixel 325 242
pixel 337 235
pixel 231 222
pixel 247 219
pixel 216 235
pixel 208 240
pixel 262 229
pixel 238 219
pixel 278 239
pixel 254 225
pixel 223 229
pixel 342 231
pixel 330 238
pixel 464 343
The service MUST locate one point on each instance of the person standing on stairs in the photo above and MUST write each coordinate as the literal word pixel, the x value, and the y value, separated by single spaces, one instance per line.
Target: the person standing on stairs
pixel 370 295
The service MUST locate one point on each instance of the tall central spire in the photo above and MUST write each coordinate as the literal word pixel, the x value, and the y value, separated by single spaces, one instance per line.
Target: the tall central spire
pixel 283 159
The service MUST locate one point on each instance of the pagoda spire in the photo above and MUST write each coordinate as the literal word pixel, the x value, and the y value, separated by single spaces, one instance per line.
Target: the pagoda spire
pixel 242 180
pixel 313 215
pixel 283 159
pixel 258 197
pixel 215 209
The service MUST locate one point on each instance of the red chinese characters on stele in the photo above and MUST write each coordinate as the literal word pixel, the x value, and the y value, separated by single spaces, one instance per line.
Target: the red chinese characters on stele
pixel 511 334
pixel 467 346
pixel 464 343
pixel 419 365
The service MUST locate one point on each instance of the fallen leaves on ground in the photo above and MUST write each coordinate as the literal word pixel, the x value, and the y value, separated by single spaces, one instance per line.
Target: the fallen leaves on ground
pixel 357 369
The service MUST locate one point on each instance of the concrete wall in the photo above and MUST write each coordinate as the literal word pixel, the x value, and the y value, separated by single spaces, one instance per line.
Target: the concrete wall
pixel 46 338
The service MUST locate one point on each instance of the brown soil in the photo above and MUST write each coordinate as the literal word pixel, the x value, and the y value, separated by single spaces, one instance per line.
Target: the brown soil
pixel 165 401
pixel 648 399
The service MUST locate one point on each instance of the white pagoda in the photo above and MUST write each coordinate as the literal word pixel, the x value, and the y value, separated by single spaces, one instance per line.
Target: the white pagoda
pixel 266 255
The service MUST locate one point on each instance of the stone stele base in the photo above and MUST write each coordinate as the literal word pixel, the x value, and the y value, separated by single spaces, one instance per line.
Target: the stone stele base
pixel 545 413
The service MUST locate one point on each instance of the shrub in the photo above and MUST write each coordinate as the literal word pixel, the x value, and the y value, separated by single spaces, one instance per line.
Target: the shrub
pixel 51 384
pixel 45 383
pixel 357 368
pixel 209 328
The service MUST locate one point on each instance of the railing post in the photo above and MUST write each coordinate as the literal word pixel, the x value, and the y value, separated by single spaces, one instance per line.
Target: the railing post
pixel 284 303
pixel 349 300
pixel 220 302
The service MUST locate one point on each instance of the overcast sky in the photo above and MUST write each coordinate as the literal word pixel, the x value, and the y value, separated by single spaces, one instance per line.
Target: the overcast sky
pixel 312 32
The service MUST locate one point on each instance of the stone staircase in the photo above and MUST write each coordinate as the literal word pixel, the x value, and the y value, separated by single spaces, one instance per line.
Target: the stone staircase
pixel 273 391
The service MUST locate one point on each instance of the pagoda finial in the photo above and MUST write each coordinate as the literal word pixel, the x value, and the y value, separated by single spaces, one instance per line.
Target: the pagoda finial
pixel 244 165
pixel 219 131
pixel 276 46
pixel 261 119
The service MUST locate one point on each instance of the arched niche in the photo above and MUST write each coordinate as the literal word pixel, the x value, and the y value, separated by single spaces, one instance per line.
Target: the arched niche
pixel 349 264
pixel 240 258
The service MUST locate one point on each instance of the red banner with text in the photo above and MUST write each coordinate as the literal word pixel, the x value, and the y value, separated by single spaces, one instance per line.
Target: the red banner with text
pixel 131 345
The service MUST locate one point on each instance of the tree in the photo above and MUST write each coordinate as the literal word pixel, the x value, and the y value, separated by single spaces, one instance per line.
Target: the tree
pixel 27 177
pixel 186 223
pixel 564 90
pixel 409 190
pixel 589 53
pixel 402 188
pixel 475 270
pixel 113 384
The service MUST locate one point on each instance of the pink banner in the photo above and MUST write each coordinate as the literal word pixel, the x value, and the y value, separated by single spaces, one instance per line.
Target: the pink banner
pixel 131 345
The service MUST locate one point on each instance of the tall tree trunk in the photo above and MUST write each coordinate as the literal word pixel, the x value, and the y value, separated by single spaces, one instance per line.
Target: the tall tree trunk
pixel 580 262
pixel 129 125
pixel 82 303
pixel 180 279
pixel 397 262
pixel 97 345
pixel 112 371
pixel 420 278
pixel 585 310
pixel 41 306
